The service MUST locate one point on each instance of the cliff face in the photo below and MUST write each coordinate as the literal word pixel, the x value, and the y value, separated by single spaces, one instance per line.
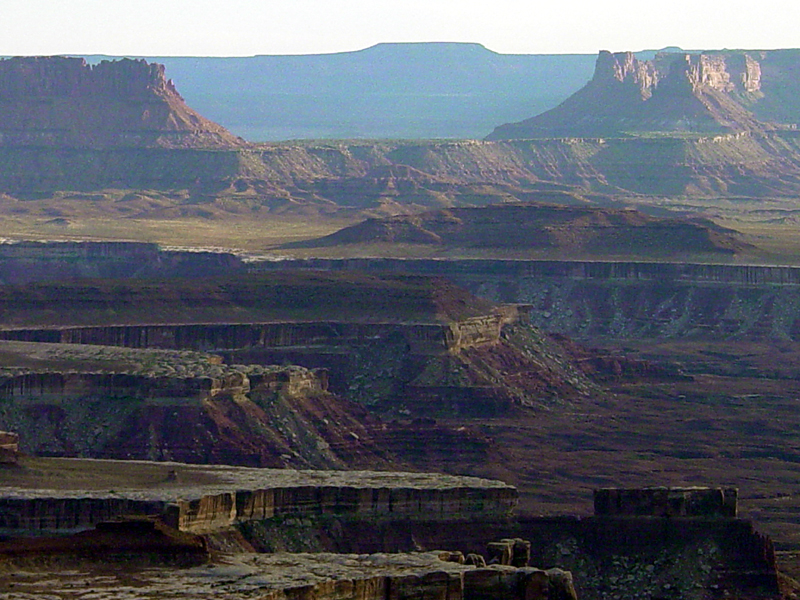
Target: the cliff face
pixel 399 177
pixel 23 262
pixel 601 300
pixel 275 417
pixel 63 102
pixel 708 93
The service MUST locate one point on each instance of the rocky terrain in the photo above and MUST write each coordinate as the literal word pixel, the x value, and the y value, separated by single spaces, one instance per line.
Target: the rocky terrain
pixel 409 347
pixel 108 402
pixel 568 230
pixel 698 550
pixel 116 140
pixel 60 102
pixel 682 375
pixel 306 576
pixel 716 92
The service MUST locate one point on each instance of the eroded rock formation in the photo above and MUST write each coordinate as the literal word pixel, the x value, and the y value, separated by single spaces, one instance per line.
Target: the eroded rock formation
pixel 23 262
pixel 61 102
pixel 327 576
pixel 228 496
pixel 708 93
pixel 267 417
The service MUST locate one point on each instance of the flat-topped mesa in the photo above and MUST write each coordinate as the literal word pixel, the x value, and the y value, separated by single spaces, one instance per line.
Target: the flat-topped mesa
pixel 666 502
pixel 62 102
pixel 203 499
pixel 674 92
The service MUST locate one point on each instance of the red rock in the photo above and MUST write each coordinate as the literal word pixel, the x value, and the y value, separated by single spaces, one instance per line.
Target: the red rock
pixel 55 101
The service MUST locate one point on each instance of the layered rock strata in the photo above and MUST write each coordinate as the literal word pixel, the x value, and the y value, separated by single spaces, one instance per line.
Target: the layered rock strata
pixel 674 92
pixel 666 502
pixel 23 262
pixel 614 556
pixel 241 495
pixel 321 575
pixel 605 299
pixel 61 102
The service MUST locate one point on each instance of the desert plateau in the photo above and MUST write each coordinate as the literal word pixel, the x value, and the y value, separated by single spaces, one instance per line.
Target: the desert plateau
pixel 396 338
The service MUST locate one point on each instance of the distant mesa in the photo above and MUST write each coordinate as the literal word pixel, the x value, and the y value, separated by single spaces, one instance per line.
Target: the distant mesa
pixel 56 101
pixel 675 92
pixel 546 227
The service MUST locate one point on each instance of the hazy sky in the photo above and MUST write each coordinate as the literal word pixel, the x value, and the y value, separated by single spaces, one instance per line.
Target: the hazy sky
pixel 247 27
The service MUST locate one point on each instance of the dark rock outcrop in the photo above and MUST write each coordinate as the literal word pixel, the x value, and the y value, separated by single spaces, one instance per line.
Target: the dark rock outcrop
pixel 666 502
pixel 532 226
pixel 9 448
pixel 61 102
pixel 134 541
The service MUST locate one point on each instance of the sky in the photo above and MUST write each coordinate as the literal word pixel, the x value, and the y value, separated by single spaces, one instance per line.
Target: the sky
pixel 251 27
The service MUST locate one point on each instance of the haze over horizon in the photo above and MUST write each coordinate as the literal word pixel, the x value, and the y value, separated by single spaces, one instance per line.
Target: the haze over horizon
pixel 253 27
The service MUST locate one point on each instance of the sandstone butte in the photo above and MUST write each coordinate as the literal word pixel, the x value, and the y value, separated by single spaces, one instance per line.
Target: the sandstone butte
pixel 702 93
pixel 64 102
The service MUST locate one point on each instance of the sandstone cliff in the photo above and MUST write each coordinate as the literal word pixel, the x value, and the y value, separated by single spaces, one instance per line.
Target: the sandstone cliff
pixel 62 102
pixel 708 93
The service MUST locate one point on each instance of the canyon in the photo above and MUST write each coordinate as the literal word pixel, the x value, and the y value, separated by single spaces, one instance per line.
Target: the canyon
pixel 354 377
pixel 362 515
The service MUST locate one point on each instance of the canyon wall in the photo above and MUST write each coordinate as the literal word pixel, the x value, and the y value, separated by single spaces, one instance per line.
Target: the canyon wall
pixel 327 176
pixel 421 337
pixel 597 299
pixel 212 512
pixel 273 496
pixel 257 416
pixel 24 262
pixel 696 558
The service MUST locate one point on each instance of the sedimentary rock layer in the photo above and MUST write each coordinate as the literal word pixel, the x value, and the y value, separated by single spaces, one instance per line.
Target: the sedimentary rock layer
pixel 286 576
pixel 23 262
pixel 60 102
pixel 241 495
pixel 673 92
pixel 608 556
pixel 591 299
pixel 392 177
pixel 666 502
